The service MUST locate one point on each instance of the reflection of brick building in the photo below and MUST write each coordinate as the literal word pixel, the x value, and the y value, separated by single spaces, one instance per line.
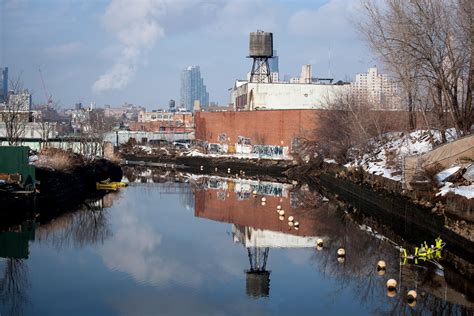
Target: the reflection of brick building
pixel 228 206
pixel 179 122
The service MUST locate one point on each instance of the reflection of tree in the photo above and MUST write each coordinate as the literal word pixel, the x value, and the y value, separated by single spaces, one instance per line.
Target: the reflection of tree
pixel 358 271
pixel 87 226
pixel 13 286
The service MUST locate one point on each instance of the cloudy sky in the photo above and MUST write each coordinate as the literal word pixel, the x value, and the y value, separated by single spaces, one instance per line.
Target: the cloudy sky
pixel 116 51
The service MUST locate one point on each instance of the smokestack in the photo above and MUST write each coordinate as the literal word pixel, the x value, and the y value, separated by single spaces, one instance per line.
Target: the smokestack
pixel 306 74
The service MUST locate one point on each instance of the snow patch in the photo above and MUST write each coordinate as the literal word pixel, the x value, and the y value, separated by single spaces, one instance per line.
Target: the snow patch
pixel 443 175
pixel 463 190
pixel 386 157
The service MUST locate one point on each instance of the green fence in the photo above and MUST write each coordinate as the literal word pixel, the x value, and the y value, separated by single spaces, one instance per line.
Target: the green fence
pixel 14 159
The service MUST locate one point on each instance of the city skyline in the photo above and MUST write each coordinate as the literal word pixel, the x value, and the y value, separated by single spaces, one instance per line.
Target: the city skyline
pixel 87 51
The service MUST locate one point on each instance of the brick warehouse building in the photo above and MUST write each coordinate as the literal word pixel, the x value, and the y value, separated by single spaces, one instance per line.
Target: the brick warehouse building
pixel 264 133
pixel 275 133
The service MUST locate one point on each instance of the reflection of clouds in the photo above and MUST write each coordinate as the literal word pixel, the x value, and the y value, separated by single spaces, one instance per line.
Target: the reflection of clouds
pixel 135 250
pixel 186 303
pixel 148 244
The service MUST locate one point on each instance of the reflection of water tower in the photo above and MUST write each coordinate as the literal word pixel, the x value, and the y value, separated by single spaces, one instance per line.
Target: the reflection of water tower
pixel 261 49
pixel 258 278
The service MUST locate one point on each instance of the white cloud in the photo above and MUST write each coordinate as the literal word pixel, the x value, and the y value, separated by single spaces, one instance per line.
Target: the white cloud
pixel 332 20
pixel 65 49
pixel 241 17
pixel 135 25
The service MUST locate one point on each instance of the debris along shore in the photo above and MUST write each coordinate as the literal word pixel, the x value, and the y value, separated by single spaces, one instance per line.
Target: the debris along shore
pixel 66 178
pixel 203 164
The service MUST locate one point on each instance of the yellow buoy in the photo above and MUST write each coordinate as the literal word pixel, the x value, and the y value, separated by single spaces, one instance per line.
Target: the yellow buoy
pixel 290 218
pixel 412 294
pixel 381 265
pixel 391 284
pixel 391 292
pixel 281 217
pixel 341 252
pixel 319 242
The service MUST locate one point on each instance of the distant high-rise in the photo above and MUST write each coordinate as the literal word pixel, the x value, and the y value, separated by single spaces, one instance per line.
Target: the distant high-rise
pixel 193 88
pixel 376 88
pixel 3 84
pixel 273 62
pixel 172 105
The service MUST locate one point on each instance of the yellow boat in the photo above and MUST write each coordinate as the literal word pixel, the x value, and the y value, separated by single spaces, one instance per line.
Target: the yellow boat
pixel 120 184
pixel 106 186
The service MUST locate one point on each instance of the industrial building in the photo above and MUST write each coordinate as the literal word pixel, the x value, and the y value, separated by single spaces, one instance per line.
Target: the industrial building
pixel 160 121
pixel 264 91
pixel 256 134
pixel 284 96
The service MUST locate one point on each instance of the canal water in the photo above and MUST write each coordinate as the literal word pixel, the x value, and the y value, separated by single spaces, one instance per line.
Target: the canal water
pixel 195 245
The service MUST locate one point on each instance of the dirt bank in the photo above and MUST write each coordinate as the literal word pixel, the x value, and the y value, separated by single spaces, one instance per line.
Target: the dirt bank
pixel 60 188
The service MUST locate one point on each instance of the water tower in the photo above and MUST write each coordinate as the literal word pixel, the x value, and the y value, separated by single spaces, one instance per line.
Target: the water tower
pixel 261 49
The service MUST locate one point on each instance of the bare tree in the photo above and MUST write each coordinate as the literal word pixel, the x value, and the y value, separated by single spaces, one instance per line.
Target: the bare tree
pixel 427 44
pixel 99 127
pixel 14 285
pixel 351 123
pixel 15 113
pixel 47 121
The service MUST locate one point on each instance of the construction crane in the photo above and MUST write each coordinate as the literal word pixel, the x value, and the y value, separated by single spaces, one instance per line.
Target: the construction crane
pixel 49 97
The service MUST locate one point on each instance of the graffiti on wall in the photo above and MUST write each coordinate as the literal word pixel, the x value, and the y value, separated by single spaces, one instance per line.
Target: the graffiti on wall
pixel 244 147
pixel 241 140
pixel 217 148
pixel 267 150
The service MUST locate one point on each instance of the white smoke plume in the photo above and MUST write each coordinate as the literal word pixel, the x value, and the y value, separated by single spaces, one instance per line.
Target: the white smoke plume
pixel 134 23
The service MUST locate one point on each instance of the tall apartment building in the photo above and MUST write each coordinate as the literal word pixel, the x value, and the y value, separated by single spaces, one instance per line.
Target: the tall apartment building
pixel 20 101
pixel 3 84
pixel 193 88
pixel 274 62
pixel 377 89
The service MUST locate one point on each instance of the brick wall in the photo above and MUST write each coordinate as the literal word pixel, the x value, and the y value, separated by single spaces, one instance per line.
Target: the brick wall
pixel 270 127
